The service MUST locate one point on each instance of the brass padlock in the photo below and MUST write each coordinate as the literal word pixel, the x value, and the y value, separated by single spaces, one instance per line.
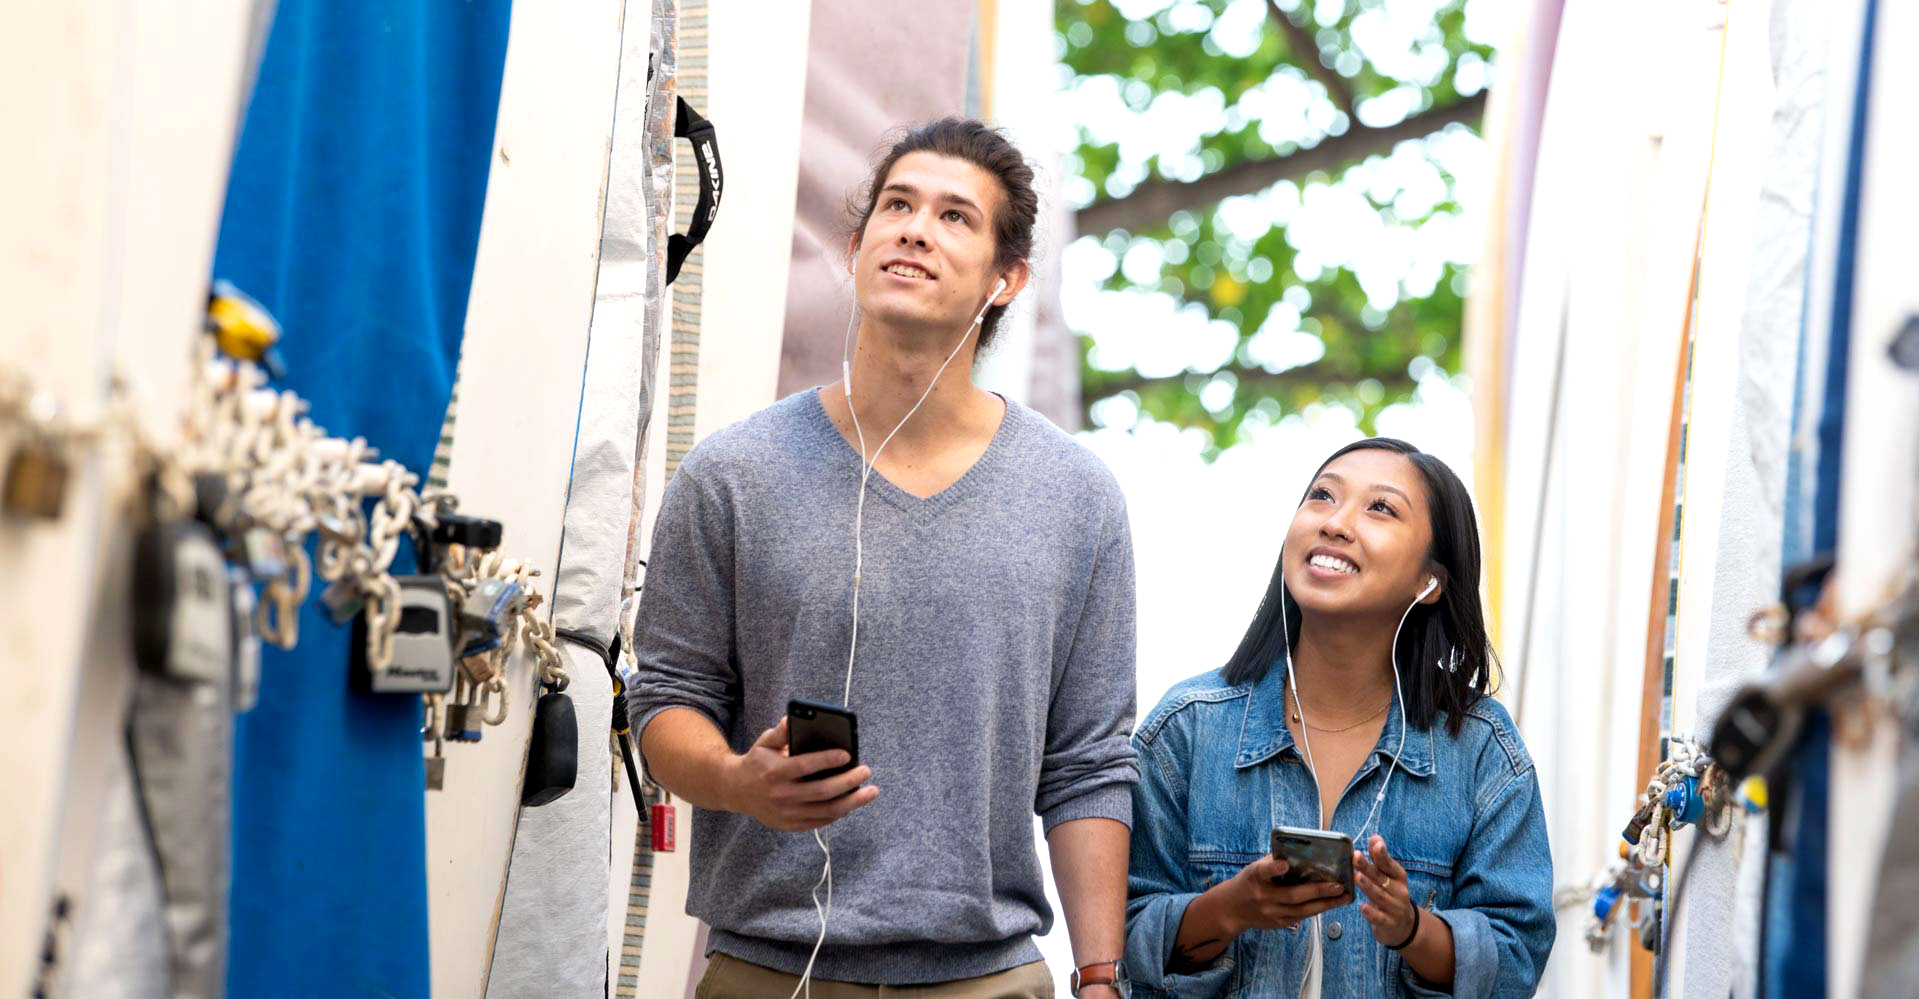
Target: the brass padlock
pixel 436 767
pixel 36 481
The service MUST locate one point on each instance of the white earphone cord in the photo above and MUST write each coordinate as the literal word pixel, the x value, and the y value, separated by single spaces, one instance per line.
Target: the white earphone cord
pixel 1305 741
pixel 859 560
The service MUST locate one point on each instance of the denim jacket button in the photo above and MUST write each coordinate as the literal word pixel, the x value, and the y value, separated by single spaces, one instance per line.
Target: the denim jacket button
pixel 1332 930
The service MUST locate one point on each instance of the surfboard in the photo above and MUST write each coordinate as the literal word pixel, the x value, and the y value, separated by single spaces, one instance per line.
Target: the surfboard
pixel 1601 307
pixel 113 209
pixel 519 384
pixel 1877 532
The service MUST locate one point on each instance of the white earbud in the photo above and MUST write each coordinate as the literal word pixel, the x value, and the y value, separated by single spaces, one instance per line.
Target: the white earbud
pixel 1432 583
pixel 1001 286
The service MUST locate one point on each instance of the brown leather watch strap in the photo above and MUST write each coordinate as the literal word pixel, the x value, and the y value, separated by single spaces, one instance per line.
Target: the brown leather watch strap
pixel 1080 979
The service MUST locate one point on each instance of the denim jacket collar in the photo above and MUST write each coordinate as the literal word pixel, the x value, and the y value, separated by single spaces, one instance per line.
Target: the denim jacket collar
pixel 1263 733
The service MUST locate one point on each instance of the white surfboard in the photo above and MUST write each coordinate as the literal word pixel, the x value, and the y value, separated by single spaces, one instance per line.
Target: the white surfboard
pixel 519 390
pixel 112 211
pixel 1616 202
pixel 552 934
pixel 1742 148
pixel 1880 492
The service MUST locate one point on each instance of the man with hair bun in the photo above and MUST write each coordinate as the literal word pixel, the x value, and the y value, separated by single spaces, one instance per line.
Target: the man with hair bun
pixel 993 674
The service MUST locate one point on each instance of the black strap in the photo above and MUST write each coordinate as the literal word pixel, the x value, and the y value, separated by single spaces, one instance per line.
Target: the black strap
pixel 633 777
pixel 706 156
pixel 610 654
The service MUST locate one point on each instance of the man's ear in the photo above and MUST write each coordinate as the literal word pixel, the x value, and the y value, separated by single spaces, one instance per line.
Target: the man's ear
pixel 852 250
pixel 1015 277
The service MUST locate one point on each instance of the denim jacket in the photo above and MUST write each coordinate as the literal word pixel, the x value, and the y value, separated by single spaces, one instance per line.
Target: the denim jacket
pixel 1218 770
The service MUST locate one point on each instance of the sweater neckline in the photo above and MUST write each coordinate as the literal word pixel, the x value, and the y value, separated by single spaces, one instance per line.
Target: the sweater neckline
pixel 885 489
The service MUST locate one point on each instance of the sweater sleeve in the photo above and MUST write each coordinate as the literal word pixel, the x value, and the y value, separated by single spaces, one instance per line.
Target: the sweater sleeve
pixel 1157 890
pixel 683 631
pixel 1088 768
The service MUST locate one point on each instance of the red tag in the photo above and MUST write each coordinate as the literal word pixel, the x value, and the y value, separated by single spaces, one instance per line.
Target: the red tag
pixel 663 839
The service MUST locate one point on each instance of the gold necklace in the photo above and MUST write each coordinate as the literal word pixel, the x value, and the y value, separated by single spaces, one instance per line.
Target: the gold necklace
pixel 1335 731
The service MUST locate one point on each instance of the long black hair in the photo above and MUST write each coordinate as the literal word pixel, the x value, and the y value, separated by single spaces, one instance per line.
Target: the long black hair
pixel 1445 659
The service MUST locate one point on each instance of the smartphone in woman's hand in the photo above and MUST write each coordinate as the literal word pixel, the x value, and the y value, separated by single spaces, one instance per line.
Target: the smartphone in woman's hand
pixel 1314 855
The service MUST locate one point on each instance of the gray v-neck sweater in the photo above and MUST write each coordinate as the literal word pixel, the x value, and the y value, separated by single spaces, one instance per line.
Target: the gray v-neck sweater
pixel 995 680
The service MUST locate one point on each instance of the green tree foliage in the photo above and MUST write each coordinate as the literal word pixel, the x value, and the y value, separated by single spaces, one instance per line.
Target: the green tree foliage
pixel 1318 96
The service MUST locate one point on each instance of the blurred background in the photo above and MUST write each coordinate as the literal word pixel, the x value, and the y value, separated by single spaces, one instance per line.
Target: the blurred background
pixel 1276 208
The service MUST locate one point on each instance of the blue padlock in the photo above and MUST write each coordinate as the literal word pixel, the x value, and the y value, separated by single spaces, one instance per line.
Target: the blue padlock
pixel 487 615
pixel 1685 803
pixel 1604 901
pixel 463 722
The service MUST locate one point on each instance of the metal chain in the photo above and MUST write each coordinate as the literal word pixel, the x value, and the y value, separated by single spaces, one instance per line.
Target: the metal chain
pixel 1637 879
pixel 285 479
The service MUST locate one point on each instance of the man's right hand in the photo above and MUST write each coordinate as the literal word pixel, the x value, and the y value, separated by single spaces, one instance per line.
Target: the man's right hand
pixel 765 783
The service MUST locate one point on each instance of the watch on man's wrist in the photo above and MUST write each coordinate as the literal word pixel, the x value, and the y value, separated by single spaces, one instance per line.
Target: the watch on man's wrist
pixel 1099 973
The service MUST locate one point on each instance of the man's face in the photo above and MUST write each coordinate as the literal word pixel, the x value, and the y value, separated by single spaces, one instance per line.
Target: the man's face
pixel 925 258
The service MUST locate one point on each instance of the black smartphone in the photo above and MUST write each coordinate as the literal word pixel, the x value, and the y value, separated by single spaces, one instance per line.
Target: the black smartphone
pixel 812 726
pixel 1314 855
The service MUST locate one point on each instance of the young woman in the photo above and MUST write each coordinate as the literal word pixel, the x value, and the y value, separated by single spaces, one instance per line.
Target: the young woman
pixel 1356 704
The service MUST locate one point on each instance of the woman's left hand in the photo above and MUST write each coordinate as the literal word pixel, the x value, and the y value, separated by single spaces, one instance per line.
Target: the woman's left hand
pixel 1389 902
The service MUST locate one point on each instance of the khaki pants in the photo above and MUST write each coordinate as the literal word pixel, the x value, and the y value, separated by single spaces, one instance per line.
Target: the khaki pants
pixel 731 978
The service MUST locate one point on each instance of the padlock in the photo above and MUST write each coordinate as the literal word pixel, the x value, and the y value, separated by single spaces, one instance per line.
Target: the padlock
pixel 264 551
pixel 472 533
pixel 463 723
pixel 246 642
pixel 1648 884
pixel 481 669
pixel 487 614
pixel 210 497
pixel 455 720
pixel 1637 824
pixel 553 756
pixel 1686 803
pixel 662 823
pixel 243 327
pixel 422 642
pixel 1604 902
pixel 36 481
pixel 182 603
pixel 343 601
pixel 436 767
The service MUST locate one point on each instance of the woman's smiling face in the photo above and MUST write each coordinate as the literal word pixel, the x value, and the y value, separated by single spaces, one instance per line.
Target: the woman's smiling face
pixel 1359 542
